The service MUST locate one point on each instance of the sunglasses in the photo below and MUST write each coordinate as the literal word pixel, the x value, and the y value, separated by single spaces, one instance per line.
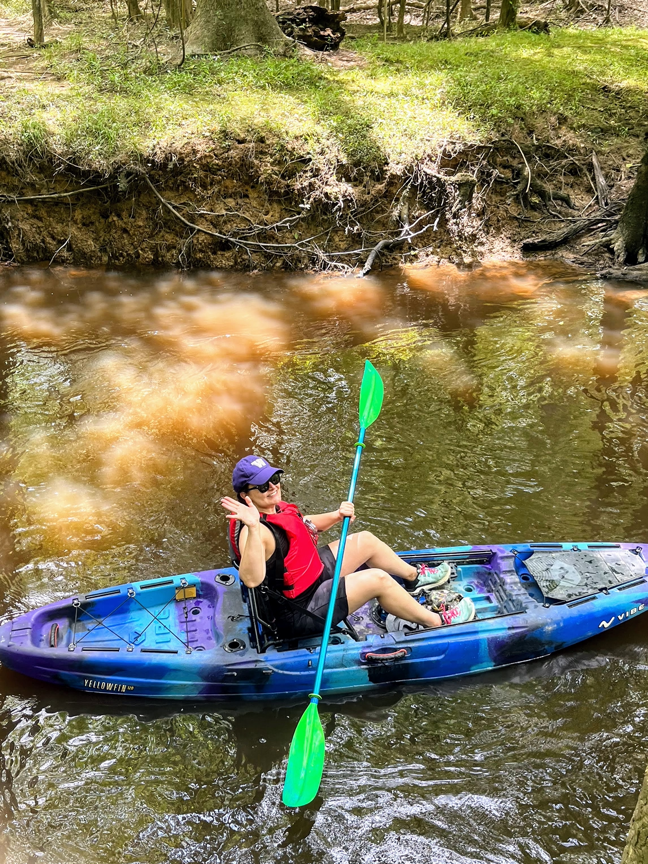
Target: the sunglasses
pixel 275 480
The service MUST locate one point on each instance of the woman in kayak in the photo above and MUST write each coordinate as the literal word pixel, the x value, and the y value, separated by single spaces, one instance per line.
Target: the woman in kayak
pixel 272 539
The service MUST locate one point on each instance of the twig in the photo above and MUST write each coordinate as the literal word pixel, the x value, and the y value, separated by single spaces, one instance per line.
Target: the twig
pixel 10 199
pixel 240 48
pixel 62 246
pixel 601 186
pixel 526 163
pixel 385 244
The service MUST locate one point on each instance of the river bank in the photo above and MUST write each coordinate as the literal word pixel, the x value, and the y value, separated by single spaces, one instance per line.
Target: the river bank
pixel 111 154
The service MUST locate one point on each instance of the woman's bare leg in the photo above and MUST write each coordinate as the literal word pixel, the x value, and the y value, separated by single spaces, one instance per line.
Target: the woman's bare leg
pixel 367 584
pixel 366 548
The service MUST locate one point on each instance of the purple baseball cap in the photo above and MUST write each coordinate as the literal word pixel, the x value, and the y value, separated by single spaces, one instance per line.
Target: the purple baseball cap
pixel 252 471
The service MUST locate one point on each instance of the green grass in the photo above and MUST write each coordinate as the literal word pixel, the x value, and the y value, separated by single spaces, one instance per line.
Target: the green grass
pixel 108 103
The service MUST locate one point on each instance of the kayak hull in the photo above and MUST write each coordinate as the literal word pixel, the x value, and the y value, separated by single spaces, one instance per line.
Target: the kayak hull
pixel 190 637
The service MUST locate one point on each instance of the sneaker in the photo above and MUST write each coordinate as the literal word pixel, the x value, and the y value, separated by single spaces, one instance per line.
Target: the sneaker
pixel 430 577
pixel 442 600
pixel 461 613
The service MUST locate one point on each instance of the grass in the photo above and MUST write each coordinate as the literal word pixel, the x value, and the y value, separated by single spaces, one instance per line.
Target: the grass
pixel 105 102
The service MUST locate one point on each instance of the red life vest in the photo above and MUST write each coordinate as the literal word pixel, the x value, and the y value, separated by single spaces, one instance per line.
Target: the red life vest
pixel 302 564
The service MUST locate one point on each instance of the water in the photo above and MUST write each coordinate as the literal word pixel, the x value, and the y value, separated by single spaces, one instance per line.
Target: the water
pixel 516 408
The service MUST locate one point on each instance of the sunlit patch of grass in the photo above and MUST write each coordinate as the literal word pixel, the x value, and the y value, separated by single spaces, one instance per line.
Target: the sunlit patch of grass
pixel 500 80
pixel 14 8
pixel 114 104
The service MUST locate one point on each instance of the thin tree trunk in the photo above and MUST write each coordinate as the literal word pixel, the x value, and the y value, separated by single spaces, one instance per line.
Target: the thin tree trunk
pixel 466 10
pixel 636 850
pixel 447 21
pixel 178 13
pixel 630 240
pixel 221 25
pixel 508 13
pixel 133 10
pixel 400 23
pixel 488 11
pixel 39 11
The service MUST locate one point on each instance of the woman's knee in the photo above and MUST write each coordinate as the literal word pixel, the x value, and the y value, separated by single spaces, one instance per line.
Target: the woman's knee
pixel 379 578
pixel 367 540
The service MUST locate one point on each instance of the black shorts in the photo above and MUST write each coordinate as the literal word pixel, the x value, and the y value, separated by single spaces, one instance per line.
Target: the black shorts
pixel 316 600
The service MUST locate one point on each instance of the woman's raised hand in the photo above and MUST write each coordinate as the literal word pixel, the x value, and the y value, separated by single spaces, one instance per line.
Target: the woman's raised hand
pixel 246 513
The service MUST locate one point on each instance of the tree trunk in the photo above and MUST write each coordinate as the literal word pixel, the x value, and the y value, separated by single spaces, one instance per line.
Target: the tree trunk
pixel 133 10
pixel 508 13
pixel 220 25
pixel 178 13
pixel 400 24
pixel 636 850
pixel 488 11
pixel 630 240
pixel 466 10
pixel 39 10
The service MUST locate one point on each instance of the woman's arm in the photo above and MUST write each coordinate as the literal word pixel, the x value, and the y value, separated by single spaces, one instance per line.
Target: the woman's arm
pixel 256 542
pixel 324 521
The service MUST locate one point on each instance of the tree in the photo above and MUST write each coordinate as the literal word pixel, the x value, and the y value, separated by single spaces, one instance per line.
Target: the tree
pixel 508 13
pixel 400 23
pixel 178 13
pixel 220 25
pixel 466 10
pixel 630 239
pixel 41 16
pixel 133 10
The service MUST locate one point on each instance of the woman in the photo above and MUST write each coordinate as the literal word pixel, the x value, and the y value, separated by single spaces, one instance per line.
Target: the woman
pixel 271 539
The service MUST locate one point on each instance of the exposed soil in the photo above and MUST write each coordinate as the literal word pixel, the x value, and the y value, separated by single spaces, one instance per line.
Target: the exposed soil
pixel 468 205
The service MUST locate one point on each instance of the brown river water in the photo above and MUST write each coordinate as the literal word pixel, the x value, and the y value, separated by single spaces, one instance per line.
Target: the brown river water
pixel 516 408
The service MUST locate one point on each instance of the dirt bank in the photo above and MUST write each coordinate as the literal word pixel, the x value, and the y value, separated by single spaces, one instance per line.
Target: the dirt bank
pixel 242 207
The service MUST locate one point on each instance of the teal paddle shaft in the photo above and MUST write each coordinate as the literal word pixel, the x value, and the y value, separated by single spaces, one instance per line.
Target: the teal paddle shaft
pixel 315 695
pixel 306 757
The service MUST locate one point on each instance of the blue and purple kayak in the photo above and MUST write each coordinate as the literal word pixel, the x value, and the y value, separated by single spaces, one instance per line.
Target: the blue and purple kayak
pixel 199 636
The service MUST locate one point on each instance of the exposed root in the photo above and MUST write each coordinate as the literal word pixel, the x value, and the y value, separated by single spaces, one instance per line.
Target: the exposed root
pixel 578 226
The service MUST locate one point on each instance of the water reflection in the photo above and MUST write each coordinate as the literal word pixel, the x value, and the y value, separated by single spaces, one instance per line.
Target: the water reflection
pixel 516 408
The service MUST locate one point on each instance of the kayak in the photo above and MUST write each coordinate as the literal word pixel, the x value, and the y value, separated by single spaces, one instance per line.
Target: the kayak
pixel 201 635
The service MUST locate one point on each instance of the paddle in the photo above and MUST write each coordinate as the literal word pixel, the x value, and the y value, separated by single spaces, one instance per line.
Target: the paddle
pixel 306 757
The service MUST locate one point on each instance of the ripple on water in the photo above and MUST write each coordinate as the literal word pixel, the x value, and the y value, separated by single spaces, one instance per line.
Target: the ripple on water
pixel 516 407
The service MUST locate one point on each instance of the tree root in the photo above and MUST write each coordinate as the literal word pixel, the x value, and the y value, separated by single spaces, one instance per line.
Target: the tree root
pixel 530 183
pixel 580 226
pixel 627 274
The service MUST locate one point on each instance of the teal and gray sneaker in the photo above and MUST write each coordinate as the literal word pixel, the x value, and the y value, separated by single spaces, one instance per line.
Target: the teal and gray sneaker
pixel 430 577
pixel 461 613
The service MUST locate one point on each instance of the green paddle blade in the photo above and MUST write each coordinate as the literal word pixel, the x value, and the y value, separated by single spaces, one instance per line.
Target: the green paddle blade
pixel 371 395
pixel 305 760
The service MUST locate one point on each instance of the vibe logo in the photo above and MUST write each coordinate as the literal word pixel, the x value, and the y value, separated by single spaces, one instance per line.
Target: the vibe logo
pixel 622 616
pixel 259 463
